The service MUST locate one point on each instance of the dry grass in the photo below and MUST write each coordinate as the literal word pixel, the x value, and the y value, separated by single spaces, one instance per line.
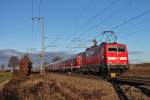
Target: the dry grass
pixel 138 71
pixel 84 84
pixel 62 87
pixel 87 87
pixel 57 87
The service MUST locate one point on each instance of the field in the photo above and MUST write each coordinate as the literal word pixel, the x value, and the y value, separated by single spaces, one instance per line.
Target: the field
pixel 138 70
pixel 5 76
pixel 52 86
pixel 56 86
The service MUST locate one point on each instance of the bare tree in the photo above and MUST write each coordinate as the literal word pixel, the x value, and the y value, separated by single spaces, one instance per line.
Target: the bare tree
pixel 25 65
pixel 13 62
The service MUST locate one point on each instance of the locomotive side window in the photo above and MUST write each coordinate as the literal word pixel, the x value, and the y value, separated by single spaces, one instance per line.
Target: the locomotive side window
pixel 121 49
pixel 87 53
pixel 112 49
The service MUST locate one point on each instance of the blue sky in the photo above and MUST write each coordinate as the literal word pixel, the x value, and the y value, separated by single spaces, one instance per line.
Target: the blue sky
pixel 69 19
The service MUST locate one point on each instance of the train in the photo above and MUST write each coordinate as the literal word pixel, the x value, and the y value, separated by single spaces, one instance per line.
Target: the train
pixel 106 59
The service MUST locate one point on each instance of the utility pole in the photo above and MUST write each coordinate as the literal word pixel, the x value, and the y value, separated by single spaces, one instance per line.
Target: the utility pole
pixel 42 54
pixel 42 46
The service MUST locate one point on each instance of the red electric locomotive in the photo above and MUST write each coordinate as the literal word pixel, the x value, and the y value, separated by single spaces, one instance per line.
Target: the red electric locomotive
pixel 108 59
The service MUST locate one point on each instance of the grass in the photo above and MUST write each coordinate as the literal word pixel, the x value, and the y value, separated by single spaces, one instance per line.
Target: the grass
pixel 5 76
pixel 52 86
pixel 57 87
pixel 138 71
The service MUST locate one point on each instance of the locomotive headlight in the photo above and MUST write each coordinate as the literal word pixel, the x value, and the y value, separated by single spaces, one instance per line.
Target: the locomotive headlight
pixel 112 58
pixel 123 58
pixel 113 75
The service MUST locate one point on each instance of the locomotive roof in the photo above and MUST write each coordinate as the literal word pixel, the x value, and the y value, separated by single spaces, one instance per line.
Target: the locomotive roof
pixel 104 43
pixel 115 43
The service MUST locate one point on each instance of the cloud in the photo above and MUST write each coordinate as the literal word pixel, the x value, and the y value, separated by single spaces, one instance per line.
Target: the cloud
pixel 135 52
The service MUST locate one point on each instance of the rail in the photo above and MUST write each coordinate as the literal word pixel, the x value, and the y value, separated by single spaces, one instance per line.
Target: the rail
pixel 134 80
pixel 142 83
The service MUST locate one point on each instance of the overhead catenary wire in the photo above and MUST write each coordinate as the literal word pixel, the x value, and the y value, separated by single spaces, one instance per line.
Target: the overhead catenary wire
pixel 93 18
pixel 131 19
pixel 105 19
pixel 84 9
pixel 40 7
pixel 32 7
pixel 96 16
pixel 101 21
pixel 32 25
pixel 79 16
pixel 35 20
pixel 139 30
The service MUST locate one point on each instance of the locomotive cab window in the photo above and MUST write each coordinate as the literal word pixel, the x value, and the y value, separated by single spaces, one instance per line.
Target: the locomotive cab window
pixel 112 49
pixel 121 49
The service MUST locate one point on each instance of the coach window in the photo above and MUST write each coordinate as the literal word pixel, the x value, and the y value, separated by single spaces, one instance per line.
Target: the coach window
pixel 74 61
pixel 96 51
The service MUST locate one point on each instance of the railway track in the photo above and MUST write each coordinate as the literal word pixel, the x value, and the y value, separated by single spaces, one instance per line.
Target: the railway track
pixel 142 83
pixel 133 80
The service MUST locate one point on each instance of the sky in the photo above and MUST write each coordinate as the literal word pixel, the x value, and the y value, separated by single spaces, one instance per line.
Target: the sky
pixel 74 23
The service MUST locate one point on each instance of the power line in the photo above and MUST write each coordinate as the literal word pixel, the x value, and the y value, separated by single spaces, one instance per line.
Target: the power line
pixel 33 21
pixel 92 19
pixel 74 21
pixel 41 22
pixel 139 30
pixel 105 19
pixel 79 16
pixel 102 21
pixel 131 19
pixel 32 8
pixel 32 25
pixel 97 15
pixel 40 2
